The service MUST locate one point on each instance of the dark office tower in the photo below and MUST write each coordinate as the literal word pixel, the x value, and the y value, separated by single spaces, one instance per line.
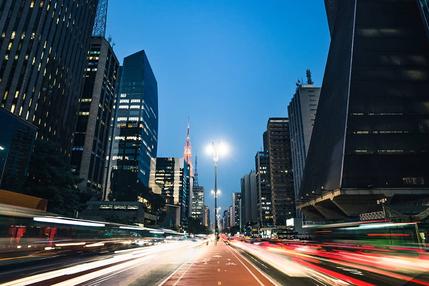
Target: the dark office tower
pixel 16 144
pixel 370 140
pixel 90 140
pixel 281 180
pixel 249 213
pixel 263 201
pixel 136 127
pixel 43 47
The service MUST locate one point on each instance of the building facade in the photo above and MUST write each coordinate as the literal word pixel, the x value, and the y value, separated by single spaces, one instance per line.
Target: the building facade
pixel 91 137
pixel 16 144
pixel 236 209
pixel 281 180
pixel 302 113
pixel 263 199
pixel 249 214
pixel 206 221
pixel 370 140
pixel 170 178
pixel 43 50
pixel 135 138
pixel 197 205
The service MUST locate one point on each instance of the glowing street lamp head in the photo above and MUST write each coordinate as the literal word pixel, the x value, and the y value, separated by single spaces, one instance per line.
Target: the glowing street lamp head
pixel 217 149
pixel 216 194
pixel 1 148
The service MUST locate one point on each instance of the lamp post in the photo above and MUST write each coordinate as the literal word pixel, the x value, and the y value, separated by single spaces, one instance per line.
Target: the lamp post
pixel 216 150
pixel 216 195
pixel 4 165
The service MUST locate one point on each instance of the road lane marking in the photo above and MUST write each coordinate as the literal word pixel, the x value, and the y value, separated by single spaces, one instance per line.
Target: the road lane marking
pixel 183 274
pixel 260 272
pixel 254 276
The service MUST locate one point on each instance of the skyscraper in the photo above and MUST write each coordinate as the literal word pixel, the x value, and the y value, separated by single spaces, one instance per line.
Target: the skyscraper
pixel 236 209
pixel 370 140
pixel 170 178
pixel 281 180
pixel 136 125
pixel 90 140
pixel 302 113
pixel 249 212
pixel 197 200
pixel 43 49
pixel 263 200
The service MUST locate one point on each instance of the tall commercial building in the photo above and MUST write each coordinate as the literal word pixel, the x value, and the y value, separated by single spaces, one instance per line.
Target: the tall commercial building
pixel 170 178
pixel 206 221
pixel 197 200
pixel 249 214
pixel 278 146
pixel 16 144
pixel 231 216
pixel 370 140
pixel 136 125
pixel 302 113
pixel 197 205
pixel 236 209
pixel 43 49
pixel 263 199
pixel 91 137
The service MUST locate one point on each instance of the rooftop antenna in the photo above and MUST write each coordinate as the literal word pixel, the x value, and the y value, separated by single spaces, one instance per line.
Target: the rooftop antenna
pixel 309 79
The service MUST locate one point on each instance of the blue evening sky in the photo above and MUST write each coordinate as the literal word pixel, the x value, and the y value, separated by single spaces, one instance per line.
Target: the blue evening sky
pixel 227 65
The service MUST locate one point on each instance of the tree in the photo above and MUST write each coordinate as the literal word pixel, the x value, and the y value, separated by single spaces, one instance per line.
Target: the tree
pixel 196 227
pixel 50 177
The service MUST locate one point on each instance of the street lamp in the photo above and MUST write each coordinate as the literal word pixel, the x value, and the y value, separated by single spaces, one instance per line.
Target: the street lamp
pixel 4 165
pixel 216 150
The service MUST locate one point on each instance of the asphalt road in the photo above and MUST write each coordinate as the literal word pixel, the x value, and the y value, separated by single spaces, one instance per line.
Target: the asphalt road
pixel 197 263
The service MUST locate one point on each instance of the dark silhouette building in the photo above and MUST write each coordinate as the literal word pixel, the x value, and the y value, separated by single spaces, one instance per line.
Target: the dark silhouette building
pixel 370 141
pixel 249 213
pixel 43 49
pixel 16 144
pixel 135 136
pixel 277 141
pixel 91 137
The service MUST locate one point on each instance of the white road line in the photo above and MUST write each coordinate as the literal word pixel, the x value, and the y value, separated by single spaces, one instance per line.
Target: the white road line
pixel 183 274
pixel 175 272
pixel 254 276
pixel 263 274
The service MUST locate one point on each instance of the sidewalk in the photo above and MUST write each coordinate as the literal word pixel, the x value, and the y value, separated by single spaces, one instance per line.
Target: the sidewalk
pixel 220 265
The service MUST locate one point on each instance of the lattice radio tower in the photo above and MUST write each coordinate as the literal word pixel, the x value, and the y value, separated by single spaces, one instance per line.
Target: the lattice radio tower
pixel 99 29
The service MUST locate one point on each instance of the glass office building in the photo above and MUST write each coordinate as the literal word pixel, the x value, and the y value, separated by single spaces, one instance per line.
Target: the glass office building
pixel 135 136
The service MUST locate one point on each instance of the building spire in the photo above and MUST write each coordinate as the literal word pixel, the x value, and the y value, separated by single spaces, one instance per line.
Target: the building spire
pixel 187 151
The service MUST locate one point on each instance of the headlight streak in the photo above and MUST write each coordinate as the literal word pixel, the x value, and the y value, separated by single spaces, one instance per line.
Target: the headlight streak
pixel 369 259
pixel 60 220
pixel 126 259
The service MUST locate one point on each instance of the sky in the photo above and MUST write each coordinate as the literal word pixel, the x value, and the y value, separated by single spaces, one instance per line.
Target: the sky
pixel 227 66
